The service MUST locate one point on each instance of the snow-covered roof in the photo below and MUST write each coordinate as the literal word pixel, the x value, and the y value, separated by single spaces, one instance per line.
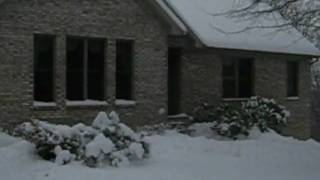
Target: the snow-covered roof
pixel 219 31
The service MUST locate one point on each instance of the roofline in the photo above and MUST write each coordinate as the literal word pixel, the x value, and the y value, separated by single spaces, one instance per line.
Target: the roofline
pixel 170 15
pixel 263 52
pixel 176 19
pixel 199 42
pixel 161 9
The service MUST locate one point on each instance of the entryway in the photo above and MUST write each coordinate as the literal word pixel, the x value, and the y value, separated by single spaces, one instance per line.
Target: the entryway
pixel 174 78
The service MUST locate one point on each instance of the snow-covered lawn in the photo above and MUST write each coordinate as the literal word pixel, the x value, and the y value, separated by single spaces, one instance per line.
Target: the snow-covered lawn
pixel 179 157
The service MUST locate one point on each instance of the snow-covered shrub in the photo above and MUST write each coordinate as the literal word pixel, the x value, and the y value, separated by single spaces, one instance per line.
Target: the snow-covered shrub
pixel 231 122
pixel 106 140
pixel 47 137
pixel 266 113
pixel 204 113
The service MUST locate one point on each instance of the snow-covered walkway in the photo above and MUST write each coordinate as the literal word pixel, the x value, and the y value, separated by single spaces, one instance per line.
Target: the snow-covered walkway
pixel 179 157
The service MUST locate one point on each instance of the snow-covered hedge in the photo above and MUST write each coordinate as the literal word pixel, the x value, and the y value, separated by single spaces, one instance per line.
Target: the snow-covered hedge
pixel 106 140
pixel 233 121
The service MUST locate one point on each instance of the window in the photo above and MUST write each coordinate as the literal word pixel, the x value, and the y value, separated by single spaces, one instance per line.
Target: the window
pixel 124 62
pixel 237 78
pixel 292 78
pixel 85 69
pixel 75 69
pixel 43 68
pixel 95 71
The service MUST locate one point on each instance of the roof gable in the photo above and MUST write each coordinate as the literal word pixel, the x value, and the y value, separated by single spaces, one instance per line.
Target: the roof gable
pixel 216 31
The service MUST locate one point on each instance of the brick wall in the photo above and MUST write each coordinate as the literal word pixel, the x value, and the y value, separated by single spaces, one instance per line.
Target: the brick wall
pixel 202 82
pixel 109 19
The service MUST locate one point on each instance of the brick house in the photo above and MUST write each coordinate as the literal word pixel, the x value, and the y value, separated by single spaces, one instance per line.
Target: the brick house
pixel 64 61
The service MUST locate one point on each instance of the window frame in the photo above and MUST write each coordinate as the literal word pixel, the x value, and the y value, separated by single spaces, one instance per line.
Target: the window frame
pixel 85 91
pixel 53 73
pixel 236 78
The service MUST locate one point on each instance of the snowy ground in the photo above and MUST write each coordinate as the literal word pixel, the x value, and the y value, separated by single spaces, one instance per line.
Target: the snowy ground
pixel 179 157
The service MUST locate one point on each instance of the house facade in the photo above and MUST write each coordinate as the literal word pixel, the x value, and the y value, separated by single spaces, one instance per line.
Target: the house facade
pixel 64 61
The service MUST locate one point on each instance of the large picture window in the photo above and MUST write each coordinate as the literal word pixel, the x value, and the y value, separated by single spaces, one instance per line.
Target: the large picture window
pixel 44 68
pixel 237 78
pixel 85 69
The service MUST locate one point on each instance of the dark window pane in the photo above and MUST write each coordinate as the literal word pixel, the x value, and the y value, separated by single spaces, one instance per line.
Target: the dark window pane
pixel 75 69
pixel 245 78
pixel 229 68
pixel 237 78
pixel 124 69
pixel 43 68
pixel 95 69
pixel 229 79
pixel 292 79
pixel 229 88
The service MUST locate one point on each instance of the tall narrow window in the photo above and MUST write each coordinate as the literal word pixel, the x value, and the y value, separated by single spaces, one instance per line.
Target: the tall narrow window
pixel 124 69
pixel 95 70
pixel 85 69
pixel 292 78
pixel 43 68
pixel 75 69
pixel 237 78
pixel 245 75
pixel 229 79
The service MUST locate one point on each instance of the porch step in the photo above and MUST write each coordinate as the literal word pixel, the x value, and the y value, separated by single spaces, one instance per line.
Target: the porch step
pixel 185 118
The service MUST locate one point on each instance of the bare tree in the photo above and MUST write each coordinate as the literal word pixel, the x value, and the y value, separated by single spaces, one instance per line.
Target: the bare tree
pixel 303 15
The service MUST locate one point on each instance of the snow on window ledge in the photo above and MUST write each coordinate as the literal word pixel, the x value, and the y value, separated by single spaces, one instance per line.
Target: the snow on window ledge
pixel 293 98
pixel 125 103
pixel 39 104
pixel 87 103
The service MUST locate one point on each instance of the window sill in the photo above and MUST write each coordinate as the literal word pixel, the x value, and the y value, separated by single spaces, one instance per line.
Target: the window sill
pixel 125 103
pixel 44 105
pixel 293 98
pixel 86 103
pixel 235 99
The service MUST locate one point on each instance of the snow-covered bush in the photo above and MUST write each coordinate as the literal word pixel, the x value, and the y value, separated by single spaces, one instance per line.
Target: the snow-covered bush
pixel 266 113
pixel 204 113
pixel 106 140
pixel 233 121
